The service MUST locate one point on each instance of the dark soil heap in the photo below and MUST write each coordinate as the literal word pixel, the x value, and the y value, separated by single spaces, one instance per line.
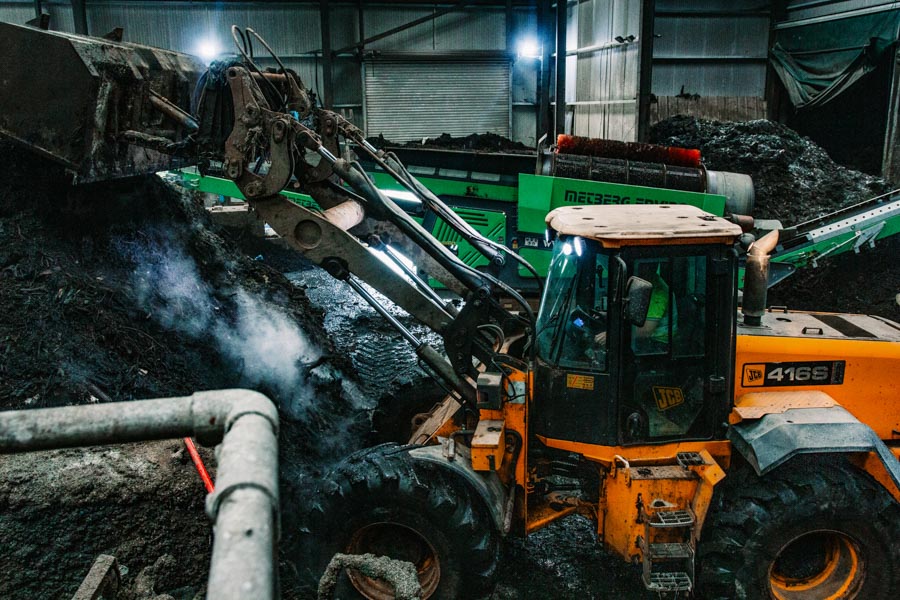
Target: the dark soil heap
pixel 795 179
pixel 486 142
pixel 93 311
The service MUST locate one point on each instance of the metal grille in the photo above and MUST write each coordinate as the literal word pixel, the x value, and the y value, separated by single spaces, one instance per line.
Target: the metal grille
pixel 411 100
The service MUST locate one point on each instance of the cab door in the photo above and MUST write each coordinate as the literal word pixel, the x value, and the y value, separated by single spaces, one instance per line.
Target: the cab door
pixel 575 391
pixel 675 368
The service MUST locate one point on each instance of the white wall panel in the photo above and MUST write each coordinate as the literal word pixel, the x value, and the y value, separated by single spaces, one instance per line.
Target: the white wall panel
pixel 602 85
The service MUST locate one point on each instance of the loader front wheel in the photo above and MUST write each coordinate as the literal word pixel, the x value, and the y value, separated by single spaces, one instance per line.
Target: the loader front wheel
pixel 815 528
pixel 383 502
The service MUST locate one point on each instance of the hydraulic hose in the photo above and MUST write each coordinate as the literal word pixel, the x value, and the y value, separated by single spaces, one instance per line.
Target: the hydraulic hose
pixel 198 464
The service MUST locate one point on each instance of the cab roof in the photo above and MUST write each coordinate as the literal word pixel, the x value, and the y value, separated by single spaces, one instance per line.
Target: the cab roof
pixel 643 224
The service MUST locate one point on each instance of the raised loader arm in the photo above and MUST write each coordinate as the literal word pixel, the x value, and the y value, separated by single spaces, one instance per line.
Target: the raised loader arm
pixel 302 150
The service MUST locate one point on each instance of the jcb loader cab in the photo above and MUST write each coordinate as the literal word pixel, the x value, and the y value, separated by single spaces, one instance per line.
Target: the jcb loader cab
pixel 635 335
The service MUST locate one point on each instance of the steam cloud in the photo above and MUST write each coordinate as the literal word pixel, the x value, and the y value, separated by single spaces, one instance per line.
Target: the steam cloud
pixel 266 346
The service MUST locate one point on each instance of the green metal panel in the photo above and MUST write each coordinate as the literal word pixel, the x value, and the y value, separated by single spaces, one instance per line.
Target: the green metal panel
pixel 225 187
pixel 539 194
pixel 539 259
pixel 489 223
pixel 838 244
pixel 453 187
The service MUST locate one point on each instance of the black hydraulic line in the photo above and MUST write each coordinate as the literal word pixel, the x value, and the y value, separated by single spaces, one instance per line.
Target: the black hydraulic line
pixel 469 277
pixel 448 215
pixel 244 46
pixel 411 273
pixel 399 172
pixel 379 202
pixel 405 178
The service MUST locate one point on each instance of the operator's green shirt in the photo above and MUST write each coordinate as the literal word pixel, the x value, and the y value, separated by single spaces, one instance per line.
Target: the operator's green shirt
pixel 659 299
pixel 659 308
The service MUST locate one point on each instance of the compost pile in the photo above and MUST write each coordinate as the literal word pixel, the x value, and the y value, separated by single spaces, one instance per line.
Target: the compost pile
pixel 124 291
pixel 795 181
pixel 794 178
pixel 476 142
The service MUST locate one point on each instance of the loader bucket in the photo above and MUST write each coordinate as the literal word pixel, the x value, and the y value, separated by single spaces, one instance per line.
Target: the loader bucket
pixel 96 106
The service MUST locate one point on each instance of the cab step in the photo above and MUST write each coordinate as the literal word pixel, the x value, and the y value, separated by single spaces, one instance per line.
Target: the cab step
pixel 670 581
pixel 672 518
pixel 670 551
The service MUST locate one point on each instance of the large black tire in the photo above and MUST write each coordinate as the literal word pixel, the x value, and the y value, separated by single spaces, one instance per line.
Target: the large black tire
pixel 814 528
pixel 383 502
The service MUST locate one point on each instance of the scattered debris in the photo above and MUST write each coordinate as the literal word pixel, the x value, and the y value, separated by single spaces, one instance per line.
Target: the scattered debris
pixel 123 291
pixel 401 575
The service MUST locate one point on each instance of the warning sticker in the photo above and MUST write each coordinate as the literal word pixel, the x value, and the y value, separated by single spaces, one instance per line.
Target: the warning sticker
pixel 580 382
pixel 667 397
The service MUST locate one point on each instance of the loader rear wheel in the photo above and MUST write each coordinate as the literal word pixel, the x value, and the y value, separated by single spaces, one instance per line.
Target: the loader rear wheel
pixel 813 529
pixel 382 501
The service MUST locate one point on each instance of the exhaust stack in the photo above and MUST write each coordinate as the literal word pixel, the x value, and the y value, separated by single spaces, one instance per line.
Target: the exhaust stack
pixel 756 278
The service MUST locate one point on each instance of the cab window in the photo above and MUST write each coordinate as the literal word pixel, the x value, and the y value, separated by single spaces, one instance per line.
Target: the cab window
pixel 572 324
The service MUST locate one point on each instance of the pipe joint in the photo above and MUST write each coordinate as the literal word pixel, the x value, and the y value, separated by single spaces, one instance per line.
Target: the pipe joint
pixel 214 413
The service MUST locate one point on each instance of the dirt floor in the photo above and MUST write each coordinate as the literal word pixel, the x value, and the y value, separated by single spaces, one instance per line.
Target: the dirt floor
pixel 122 292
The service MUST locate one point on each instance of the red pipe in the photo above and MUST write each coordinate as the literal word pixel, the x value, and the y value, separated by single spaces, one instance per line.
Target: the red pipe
pixel 198 464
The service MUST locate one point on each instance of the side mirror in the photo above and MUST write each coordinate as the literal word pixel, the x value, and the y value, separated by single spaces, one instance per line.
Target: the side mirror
pixel 637 300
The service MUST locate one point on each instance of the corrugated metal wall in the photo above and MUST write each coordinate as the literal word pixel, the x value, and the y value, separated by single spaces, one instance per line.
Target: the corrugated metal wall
pixel 860 127
pixel 483 29
pixel 602 76
pixel 409 100
pixel 710 48
pixel 21 11
pixel 805 10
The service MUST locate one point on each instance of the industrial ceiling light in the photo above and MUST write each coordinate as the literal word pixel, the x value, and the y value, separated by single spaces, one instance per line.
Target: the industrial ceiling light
pixel 208 49
pixel 528 48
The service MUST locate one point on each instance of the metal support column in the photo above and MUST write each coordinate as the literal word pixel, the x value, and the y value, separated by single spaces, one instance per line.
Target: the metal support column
pixel 560 121
pixel 327 56
pixel 545 35
pixel 645 77
pixel 79 14
pixel 38 9
pixel 890 163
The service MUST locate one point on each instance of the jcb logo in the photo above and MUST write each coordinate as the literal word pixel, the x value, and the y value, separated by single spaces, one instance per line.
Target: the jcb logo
pixel 754 375
pixel 667 397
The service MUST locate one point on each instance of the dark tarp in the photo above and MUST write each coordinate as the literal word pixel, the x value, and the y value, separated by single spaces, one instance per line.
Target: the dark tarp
pixel 819 62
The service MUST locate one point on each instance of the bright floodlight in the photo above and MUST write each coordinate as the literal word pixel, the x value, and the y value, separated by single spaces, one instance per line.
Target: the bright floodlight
pixel 208 50
pixel 528 48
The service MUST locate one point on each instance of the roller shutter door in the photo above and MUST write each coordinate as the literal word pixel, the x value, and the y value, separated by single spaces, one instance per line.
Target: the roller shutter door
pixel 409 100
